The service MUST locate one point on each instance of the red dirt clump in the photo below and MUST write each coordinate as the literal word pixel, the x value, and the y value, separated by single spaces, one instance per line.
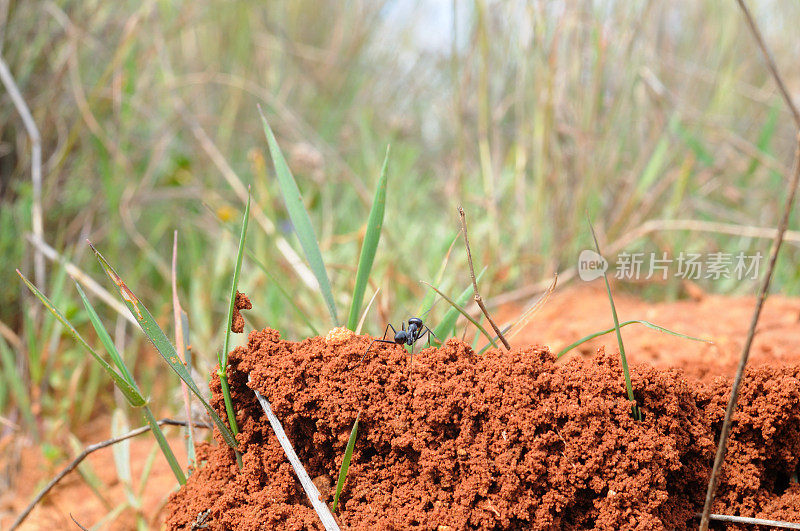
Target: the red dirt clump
pixel 506 440
pixel 242 302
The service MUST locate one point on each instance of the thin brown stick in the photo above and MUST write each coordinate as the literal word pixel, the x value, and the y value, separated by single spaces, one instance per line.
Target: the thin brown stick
pixel 776 246
pixel 83 455
pixel 180 345
pixel 773 69
pixel 762 296
pixel 477 296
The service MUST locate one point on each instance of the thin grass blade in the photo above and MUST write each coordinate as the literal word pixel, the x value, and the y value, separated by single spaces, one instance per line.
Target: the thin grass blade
pixel 181 323
pixel 348 454
pixel 235 284
pixel 122 457
pixel 370 245
pixel 130 392
pixel 366 311
pixel 626 323
pixel 635 408
pixel 162 344
pixel 15 385
pixel 223 365
pixel 105 338
pixel 300 219
pixel 165 448
pixel 464 312
pixel 447 323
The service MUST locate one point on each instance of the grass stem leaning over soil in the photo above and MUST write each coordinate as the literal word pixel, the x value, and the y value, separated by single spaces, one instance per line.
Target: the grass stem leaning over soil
pixel 637 413
pixel 159 340
pixel 648 324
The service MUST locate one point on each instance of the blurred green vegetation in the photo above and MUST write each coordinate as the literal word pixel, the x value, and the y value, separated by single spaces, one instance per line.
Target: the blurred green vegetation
pixel 530 114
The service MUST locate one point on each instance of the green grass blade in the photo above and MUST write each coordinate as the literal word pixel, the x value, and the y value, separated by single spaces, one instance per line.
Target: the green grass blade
pixel 105 338
pixel 234 285
pixel 348 454
pixel 15 385
pixel 448 322
pixel 463 312
pixel 370 246
pixel 626 323
pixel 300 219
pixel 165 448
pixel 223 362
pixel 162 344
pixel 636 412
pixel 130 392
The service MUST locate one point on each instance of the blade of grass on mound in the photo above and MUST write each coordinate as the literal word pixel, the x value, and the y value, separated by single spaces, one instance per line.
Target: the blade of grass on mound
pixel 105 338
pixel 162 344
pixel 300 219
pixel 460 309
pixel 130 392
pixel 637 413
pixel 348 454
pixel 370 245
pixel 223 365
pixel 626 323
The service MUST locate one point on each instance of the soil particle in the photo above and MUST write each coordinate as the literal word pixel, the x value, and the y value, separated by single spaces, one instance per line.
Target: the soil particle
pixel 240 303
pixel 507 440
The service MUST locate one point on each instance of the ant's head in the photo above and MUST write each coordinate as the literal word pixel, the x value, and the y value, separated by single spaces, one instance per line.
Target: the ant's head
pixel 415 321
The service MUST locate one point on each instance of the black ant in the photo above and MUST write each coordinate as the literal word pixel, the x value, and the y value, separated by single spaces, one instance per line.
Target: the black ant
pixel 416 329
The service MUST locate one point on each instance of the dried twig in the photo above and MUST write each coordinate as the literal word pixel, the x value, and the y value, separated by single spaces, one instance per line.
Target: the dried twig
pixel 36 164
pixel 180 345
pixel 312 492
pixel 762 296
pixel 753 521
pixel 477 296
pixel 83 455
pixel 770 61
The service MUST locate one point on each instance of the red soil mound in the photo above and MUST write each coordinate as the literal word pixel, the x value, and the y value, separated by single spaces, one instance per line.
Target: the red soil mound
pixel 499 441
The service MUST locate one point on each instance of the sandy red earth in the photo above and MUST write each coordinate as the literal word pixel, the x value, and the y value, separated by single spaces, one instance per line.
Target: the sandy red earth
pixel 500 441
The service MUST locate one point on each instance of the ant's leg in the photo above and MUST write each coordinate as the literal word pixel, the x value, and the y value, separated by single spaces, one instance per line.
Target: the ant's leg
pixel 430 333
pixel 388 326
pixel 370 346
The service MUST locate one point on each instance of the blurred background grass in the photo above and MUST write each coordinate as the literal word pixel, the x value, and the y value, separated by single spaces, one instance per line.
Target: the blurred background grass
pixel 528 113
